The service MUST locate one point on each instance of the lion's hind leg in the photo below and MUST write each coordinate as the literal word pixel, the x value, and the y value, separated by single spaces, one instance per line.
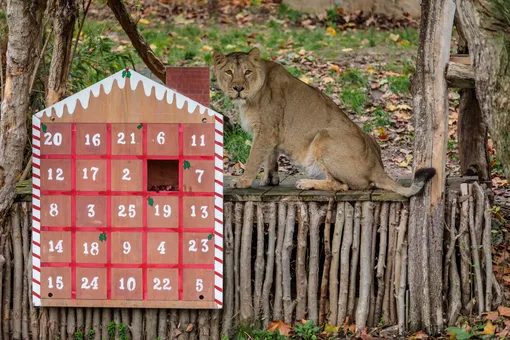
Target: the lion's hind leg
pixel 321 184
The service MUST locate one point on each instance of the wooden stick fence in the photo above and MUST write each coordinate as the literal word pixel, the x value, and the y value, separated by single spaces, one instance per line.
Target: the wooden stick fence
pixel 286 259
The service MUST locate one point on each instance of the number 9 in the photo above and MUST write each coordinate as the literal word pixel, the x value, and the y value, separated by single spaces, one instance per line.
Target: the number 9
pixel 127 247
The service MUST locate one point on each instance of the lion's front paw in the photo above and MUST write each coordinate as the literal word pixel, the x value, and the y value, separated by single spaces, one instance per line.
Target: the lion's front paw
pixel 304 184
pixel 240 183
pixel 270 180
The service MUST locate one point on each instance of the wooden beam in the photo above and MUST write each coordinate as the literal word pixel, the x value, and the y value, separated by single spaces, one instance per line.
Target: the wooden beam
pixel 460 59
pixel 460 75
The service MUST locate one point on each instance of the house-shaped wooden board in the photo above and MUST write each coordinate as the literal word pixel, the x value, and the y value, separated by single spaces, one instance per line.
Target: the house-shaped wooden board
pixel 127 199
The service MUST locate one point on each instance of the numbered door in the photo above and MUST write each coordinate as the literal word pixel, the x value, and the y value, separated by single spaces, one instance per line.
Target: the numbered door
pixel 91 139
pixel 56 174
pixel 198 176
pixel 56 139
pixel 127 247
pixel 127 175
pixel 127 211
pixel 127 139
pixel 198 248
pixel 55 246
pixel 163 140
pixel 162 284
pixel 127 284
pixel 56 282
pixel 91 175
pixel 56 211
pixel 91 283
pixel 163 212
pixel 198 139
pixel 91 247
pixel 163 248
pixel 198 284
pixel 198 212
pixel 91 211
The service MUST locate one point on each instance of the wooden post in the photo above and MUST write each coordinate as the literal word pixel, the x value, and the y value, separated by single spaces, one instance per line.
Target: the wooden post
pixel 426 222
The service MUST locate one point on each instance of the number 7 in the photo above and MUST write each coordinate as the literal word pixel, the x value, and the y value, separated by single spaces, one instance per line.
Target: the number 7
pixel 200 173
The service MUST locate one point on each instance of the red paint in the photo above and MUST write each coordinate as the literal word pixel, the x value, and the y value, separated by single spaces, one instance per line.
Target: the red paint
pixel 181 209
pixel 73 211
pixel 108 210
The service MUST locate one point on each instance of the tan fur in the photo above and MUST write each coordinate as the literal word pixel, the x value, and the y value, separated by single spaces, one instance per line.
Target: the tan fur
pixel 284 114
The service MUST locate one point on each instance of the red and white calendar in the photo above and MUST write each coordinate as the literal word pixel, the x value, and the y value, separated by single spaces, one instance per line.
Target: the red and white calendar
pixel 128 199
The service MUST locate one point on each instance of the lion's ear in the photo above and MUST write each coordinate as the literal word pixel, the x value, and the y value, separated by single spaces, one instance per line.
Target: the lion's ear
pixel 254 54
pixel 218 58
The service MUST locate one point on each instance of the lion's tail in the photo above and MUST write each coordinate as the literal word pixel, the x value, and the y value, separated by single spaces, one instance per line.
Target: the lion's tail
pixel 421 177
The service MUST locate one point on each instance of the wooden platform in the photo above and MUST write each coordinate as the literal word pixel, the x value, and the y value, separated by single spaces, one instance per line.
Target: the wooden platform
pixel 287 191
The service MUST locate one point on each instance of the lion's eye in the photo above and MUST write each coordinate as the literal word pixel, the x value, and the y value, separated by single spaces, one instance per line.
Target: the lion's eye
pixel 228 72
pixel 247 73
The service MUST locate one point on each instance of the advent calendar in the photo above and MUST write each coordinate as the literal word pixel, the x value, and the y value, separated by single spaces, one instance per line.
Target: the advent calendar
pixel 127 199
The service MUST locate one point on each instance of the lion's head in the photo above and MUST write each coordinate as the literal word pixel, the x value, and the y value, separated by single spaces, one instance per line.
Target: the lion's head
pixel 238 74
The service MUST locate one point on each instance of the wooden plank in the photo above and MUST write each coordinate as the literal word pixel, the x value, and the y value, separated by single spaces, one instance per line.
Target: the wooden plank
pixel 460 75
pixel 387 196
pixel 129 304
pixel 460 58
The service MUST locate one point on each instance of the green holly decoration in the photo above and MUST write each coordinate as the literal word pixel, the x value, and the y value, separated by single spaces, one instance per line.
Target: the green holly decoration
pixel 187 165
pixel 44 127
pixel 210 237
pixel 102 237
pixel 139 126
pixel 126 73
pixel 150 200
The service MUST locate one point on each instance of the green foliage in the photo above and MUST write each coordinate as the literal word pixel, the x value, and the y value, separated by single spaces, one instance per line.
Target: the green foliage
pixel 285 11
pixel 354 77
pixel 354 99
pixel 307 331
pixel 247 333
pixel 111 330
pixel 296 72
pixel 91 334
pixel 78 335
pixel 238 144
pixel 122 331
pixel 399 84
pixel 382 118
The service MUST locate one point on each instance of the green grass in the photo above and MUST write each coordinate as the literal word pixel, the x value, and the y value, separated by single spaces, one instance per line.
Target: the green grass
pixel 238 143
pixel 399 85
pixel 354 99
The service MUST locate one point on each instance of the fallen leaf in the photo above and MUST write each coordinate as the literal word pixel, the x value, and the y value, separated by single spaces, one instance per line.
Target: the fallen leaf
pixel 394 37
pixel 419 335
pixel 391 107
pixel 504 311
pixel 370 69
pixel 305 79
pixel 189 328
pixel 331 31
pixel 489 328
pixel 334 67
pixel 331 329
pixel 492 316
pixel 207 48
pixel 280 326
pixel 143 21
pixel 328 80
pixel 346 49
pixel 404 107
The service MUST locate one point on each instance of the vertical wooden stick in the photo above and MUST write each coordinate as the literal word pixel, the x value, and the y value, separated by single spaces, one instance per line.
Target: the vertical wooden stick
pixel 464 246
pixel 80 319
pixel 301 279
pixel 215 325
pixel 173 325
pixel 43 324
pixel 365 262
pixel 246 308
pixel 381 259
pixel 136 324
pixel 333 273
pixel 354 260
pixel 203 325
pixel 162 323
pixel 454 295
pixel 53 331
pixel 371 304
pixel 117 320
pixel 327 264
pixel 228 273
pixel 402 289
pixel 286 256
pixel 317 216
pixel 151 323
pixel 268 282
pixel 192 323
pixel 71 323
pixel 259 264
pixel 487 247
pixel 63 323
pixel 7 288
pixel 344 264
pixel 96 323
pixel 126 320
pixel 18 272
pixel 386 313
pixel 475 255
pixel 278 289
pixel 401 235
pixel 237 250
pixel 88 320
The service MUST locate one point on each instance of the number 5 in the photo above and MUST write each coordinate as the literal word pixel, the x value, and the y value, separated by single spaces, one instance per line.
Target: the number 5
pixel 200 285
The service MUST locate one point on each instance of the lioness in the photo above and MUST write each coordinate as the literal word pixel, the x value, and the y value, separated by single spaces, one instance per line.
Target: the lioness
pixel 283 114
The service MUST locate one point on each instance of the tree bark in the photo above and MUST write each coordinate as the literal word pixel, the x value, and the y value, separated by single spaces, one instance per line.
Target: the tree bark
pixel 63 29
pixel 426 222
pixel 138 41
pixel 472 125
pixel 24 18
pixel 486 25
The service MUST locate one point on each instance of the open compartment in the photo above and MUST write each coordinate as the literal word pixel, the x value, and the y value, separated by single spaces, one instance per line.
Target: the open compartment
pixel 162 175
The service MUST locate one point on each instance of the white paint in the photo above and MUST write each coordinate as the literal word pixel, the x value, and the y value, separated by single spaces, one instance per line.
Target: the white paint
pixel 160 92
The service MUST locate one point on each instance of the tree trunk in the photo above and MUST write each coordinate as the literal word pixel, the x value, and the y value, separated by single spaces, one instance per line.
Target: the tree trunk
pixel 138 41
pixel 63 26
pixel 426 222
pixel 486 25
pixel 472 126
pixel 24 18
